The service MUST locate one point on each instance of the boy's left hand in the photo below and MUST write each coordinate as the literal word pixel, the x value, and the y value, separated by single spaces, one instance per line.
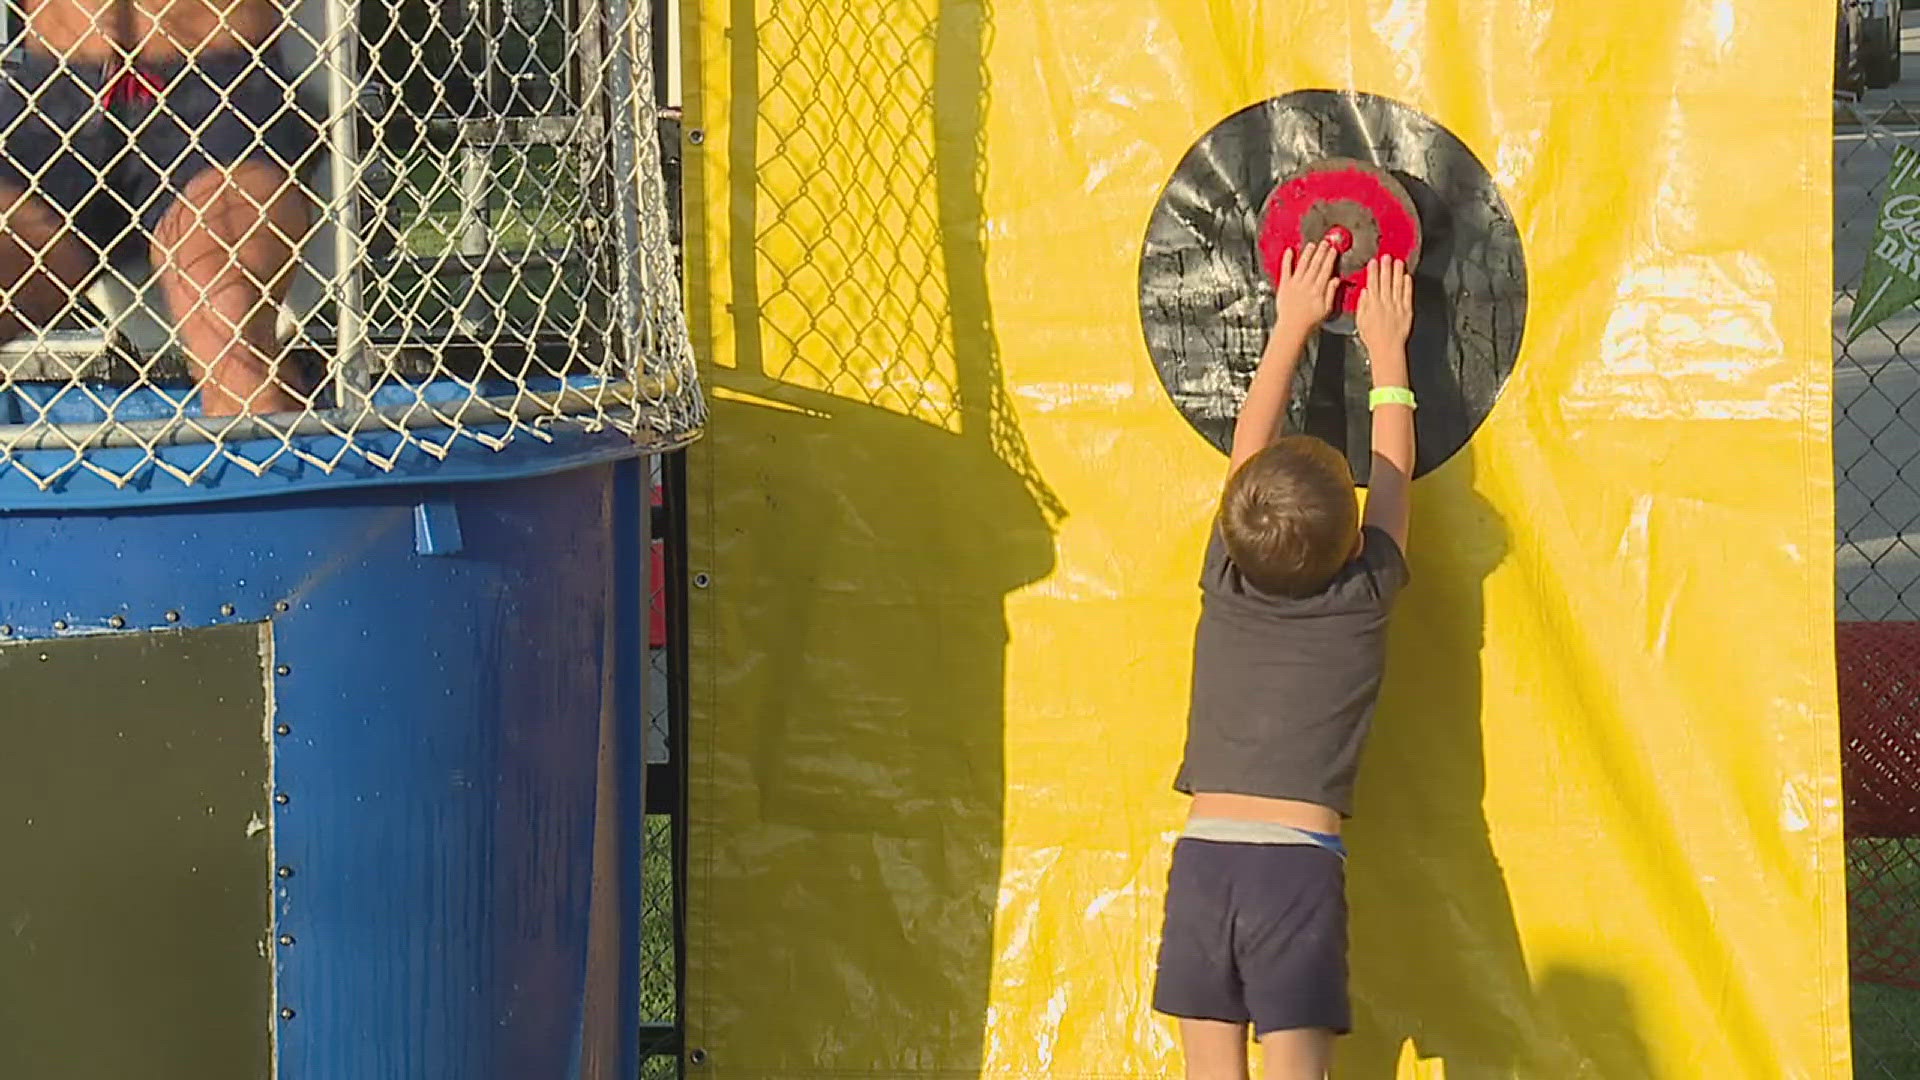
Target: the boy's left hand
pixel 1385 315
pixel 1304 297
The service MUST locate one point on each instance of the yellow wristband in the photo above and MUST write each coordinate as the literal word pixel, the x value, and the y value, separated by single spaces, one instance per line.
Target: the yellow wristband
pixel 1390 395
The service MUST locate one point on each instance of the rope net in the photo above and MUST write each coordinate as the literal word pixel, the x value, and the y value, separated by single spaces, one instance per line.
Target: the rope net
pixel 237 230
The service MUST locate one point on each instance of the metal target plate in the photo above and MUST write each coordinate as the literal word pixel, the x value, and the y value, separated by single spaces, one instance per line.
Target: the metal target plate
pixel 1206 298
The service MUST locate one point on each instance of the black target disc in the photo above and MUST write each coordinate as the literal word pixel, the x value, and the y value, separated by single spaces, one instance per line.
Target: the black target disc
pixel 1206 301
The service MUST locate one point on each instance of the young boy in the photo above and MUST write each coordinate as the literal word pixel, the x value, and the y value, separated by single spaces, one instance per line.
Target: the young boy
pixel 1288 659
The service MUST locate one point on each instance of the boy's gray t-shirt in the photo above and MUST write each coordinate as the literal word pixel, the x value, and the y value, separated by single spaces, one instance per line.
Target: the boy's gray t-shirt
pixel 1284 688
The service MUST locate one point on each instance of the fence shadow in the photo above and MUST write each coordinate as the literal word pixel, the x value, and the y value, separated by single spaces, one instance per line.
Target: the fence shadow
pixel 873 505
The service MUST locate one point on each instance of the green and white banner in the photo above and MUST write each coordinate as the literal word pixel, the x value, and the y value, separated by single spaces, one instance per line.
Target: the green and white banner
pixel 1892 278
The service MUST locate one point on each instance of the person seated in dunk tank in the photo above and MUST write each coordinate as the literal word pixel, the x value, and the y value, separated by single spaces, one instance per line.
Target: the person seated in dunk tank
pixel 166 128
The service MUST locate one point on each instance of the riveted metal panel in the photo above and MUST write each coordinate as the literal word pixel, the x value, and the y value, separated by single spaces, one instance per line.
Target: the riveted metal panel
pixel 134 857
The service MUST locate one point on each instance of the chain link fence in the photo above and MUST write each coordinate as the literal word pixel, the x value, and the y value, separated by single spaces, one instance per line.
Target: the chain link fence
pixel 1877 476
pixel 239 231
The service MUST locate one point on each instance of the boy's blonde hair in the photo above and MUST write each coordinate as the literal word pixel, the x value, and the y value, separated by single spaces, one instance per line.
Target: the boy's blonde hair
pixel 1289 516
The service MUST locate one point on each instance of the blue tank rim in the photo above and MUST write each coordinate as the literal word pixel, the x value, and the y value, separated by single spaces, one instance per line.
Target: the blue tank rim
pixel 270 467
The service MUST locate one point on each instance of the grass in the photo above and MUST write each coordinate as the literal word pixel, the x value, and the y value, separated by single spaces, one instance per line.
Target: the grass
pixel 1886 1032
pixel 657 983
pixel 656 937
pixel 1883 889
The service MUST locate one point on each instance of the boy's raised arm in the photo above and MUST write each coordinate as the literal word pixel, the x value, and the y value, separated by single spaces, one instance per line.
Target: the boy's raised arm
pixel 1301 301
pixel 1384 319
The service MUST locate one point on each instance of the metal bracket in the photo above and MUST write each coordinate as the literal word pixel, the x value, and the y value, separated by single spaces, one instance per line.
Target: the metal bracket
pixel 436 528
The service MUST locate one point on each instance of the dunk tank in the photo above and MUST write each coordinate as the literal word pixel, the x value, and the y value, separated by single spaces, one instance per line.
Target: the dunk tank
pixel 323 728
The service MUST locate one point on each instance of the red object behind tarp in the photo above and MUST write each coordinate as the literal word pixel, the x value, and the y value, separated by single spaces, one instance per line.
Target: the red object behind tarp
pixel 1880 727
pixel 1880 774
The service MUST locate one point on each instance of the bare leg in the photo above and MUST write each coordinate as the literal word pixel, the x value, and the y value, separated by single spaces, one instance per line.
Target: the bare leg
pixel 42 266
pixel 1300 1054
pixel 1214 1050
pixel 223 251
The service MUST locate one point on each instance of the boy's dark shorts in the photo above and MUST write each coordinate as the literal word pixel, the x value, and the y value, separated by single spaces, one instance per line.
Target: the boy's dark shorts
pixel 1255 933
pixel 109 150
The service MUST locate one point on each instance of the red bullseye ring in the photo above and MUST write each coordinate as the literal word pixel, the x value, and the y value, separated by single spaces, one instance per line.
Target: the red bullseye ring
pixel 1361 210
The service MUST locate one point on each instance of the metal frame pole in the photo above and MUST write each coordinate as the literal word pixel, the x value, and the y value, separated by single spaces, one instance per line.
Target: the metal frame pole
pixel 633 578
pixel 622 120
pixel 351 366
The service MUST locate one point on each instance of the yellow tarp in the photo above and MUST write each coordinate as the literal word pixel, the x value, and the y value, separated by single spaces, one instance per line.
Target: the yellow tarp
pixel 951 524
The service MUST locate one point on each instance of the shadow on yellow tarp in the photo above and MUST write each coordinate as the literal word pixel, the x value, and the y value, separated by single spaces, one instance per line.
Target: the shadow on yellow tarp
pixel 952 527
pixel 872 505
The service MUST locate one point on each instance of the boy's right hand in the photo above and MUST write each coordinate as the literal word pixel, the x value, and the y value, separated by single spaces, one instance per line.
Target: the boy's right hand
pixel 1384 316
pixel 1304 296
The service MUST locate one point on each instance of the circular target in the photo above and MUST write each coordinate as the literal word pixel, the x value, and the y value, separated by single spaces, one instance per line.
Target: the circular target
pixel 1362 211
pixel 1206 293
